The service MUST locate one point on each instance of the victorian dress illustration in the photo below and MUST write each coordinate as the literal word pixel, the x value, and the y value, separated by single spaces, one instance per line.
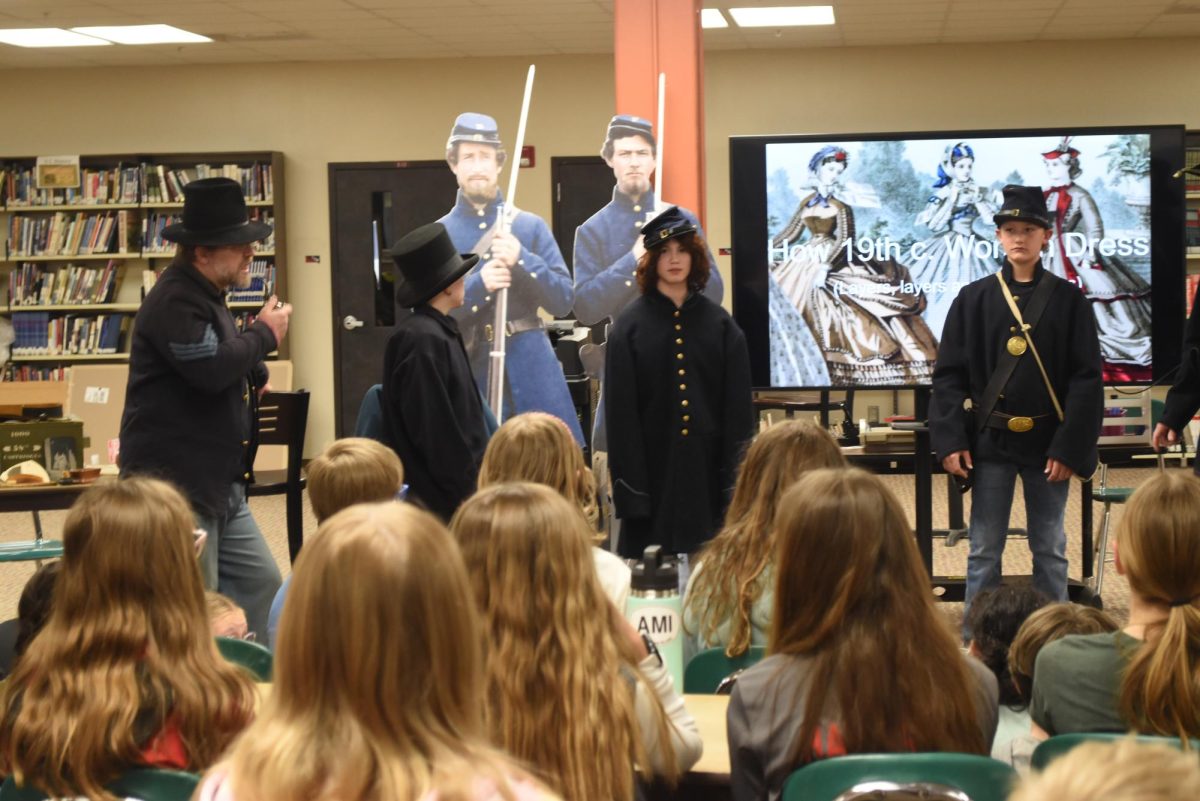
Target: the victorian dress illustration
pixel 867 326
pixel 946 262
pixel 1120 298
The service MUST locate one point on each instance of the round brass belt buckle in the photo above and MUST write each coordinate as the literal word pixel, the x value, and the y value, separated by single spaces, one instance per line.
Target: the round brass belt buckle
pixel 1020 425
pixel 1016 345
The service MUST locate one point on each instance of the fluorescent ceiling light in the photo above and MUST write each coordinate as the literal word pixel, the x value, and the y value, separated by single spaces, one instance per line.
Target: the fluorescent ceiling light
pixel 48 37
pixel 713 18
pixel 782 16
pixel 143 34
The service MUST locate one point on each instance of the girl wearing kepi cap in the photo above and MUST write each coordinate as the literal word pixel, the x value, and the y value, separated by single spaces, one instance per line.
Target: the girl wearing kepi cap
pixel 679 403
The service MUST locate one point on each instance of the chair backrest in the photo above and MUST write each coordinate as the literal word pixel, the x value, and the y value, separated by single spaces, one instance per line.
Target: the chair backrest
pixel 976 778
pixel 707 669
pixel 254 657
pixel 1049 750
pixel 1128 420
pixel 282 420
pixel 147 784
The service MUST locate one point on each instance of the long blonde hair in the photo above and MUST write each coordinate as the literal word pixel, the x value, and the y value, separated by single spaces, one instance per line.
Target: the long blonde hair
pixel 726 590
pixel 560 674
pixel 128 635
pixel 852 596
pixel 378 678
pixel 538 447
pixel 1159 547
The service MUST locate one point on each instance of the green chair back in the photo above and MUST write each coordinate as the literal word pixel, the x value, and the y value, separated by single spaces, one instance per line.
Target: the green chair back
pixel 707 669
pixel 147 784
pixel 1049 750
pixel 981 778
pixel 250 655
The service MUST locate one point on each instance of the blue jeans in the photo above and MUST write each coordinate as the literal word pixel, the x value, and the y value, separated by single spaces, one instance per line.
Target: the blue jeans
pixel 237 562
pixel 991 504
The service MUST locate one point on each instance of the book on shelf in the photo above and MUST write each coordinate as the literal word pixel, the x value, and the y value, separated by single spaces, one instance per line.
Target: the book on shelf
pixel 149 279
pixel 98 186
pixel 29 372
pixel 1193 281
pixel 46 334
pixel 261 287
pixel 32 284
pixel 152 227
pixel 264 216
pixel 67 233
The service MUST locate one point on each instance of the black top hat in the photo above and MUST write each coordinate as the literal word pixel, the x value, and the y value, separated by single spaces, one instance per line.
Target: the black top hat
pixel 472 127
pixel 428 263
pixel 214 213
pixel 1023 203
pixel 668 225
pixel 624 125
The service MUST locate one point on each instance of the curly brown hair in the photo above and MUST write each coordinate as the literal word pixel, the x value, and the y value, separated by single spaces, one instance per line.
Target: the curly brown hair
pixel 693 244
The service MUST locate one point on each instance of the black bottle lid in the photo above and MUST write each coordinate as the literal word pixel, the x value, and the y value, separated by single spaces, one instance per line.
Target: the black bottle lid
pixel 656 571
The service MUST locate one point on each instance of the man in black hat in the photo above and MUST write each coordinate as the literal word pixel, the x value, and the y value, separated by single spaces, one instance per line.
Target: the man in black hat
pixel 1020 348
pixel 609 244
pixel 432 411
pixel 194 384
pixel 517 253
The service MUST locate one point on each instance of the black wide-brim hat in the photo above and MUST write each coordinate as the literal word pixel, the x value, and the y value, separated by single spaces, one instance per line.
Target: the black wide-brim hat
pixel 428 263
pixel 668 225
pixel 214 213
pixel 1023 204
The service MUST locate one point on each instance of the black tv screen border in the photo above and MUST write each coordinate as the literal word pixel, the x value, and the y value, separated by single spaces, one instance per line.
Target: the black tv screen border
pixel 748 225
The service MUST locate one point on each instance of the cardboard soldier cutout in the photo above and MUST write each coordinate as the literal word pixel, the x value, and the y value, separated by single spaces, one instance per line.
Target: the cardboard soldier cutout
pixel 608 244
pixel 519 254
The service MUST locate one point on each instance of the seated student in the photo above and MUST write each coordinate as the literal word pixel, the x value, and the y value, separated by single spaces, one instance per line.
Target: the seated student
pixel 993 622
pixel 378 692
pixel 125 672
pixel 730 593
pixel 572 690
pixel 1145 677
pixel 226 618
pixel 33 608
pixel 861 661
pixel 1122 771
pixel 538 447
pixel 1051 622
pixel 350 470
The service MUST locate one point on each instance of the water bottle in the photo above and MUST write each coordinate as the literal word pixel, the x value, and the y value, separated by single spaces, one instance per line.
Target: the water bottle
pixel 655 608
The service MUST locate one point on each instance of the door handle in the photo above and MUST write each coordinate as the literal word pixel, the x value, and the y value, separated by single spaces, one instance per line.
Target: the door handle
pixel 351 322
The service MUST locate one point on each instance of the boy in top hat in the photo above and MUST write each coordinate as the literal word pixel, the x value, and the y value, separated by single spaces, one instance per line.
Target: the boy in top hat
pixel 1020 348
pixel 609 244
pixel 520 255
pixel 432 412
pixel 194 385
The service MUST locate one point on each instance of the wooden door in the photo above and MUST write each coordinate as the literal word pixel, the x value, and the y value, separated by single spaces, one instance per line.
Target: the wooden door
pixel 371 206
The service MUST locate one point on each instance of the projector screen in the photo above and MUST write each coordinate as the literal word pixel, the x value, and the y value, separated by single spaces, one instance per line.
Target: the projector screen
pixel 849 250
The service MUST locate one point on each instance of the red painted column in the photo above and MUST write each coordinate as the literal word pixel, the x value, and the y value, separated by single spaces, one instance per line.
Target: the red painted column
pixel 653 36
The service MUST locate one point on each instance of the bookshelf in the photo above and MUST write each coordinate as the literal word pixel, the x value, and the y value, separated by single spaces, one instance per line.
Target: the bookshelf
pixel 78 261
pixel 1192 219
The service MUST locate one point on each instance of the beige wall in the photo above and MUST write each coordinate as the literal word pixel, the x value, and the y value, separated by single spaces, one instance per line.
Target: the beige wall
pixel 316 113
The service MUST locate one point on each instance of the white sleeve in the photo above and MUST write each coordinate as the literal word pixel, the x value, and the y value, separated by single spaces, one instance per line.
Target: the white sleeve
pixel 685 735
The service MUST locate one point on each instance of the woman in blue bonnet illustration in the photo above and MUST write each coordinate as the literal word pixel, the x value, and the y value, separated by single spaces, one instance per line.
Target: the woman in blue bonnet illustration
pixel 949 258
pixel 869 330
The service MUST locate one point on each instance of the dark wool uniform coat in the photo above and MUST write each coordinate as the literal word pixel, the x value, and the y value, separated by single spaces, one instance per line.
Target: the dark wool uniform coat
pixel 973 340
pixel 679 413
pixel 432 412
pixel 1184 398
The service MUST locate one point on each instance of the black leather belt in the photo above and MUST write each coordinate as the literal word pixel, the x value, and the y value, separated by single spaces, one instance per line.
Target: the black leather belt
pixel 514 327
pixel 1017 424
